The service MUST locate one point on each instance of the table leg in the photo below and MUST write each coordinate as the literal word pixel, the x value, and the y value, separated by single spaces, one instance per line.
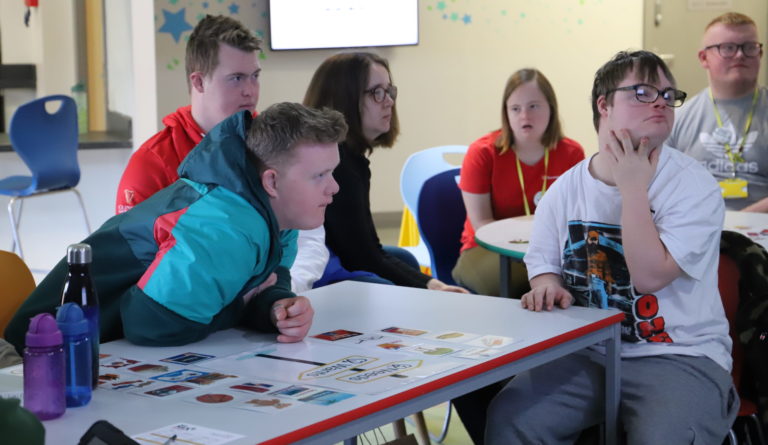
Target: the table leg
pixel 505 263
pixel 612 386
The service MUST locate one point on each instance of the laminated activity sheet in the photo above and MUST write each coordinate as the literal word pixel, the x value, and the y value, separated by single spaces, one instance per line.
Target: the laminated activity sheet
pixel 339 368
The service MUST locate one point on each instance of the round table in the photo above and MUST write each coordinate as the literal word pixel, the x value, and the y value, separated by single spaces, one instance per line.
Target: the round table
pixel 509 237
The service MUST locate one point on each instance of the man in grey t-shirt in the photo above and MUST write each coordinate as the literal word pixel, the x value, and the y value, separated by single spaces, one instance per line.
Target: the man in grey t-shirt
pixel 725 126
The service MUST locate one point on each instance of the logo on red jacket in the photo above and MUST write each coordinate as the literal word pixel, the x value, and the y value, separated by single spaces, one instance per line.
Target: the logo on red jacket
pixel 129 197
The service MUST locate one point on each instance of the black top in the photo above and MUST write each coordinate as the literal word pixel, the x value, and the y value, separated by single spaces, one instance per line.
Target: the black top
pixel 349 229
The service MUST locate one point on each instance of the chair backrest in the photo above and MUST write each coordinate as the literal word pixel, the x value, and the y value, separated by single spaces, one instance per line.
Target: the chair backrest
pixel 16 283
pixel 47 142
pixel 728 276
pixel 441 221
pixel 421 166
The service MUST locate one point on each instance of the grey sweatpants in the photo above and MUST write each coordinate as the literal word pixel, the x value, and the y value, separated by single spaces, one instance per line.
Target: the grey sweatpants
pixel 669 399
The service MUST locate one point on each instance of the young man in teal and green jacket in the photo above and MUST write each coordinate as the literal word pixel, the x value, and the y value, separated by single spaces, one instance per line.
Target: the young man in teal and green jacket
pixel 201 255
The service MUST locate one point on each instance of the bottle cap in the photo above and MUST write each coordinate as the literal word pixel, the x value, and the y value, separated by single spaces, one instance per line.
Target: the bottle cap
pixel 79 254
pixel 43 331
pixel 70 319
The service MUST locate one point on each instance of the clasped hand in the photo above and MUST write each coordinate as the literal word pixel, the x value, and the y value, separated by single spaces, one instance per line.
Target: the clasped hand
pixel 632 167
pixel 293 318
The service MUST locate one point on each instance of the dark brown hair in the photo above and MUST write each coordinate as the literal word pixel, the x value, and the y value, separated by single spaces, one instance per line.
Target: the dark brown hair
pixel 339 83
pixel 203 46
pixel 553 133
pixel 645 63
pixel 276 132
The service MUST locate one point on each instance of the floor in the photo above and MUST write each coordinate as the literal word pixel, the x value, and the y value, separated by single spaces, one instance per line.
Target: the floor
pixel 434 417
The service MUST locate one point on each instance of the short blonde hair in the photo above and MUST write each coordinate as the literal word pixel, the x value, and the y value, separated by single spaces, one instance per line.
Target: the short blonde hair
pixel 731 19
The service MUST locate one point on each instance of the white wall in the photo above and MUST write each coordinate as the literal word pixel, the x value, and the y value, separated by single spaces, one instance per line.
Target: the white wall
pixel 145 85
pixel 48 42
pixel 20 44
pixel 119 54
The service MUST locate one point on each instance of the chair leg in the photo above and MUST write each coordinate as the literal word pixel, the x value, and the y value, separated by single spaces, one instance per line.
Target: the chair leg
pixel 446 423
pixel 421 428
pixel 398 426
pixel 758 428
pixel 82 208
pixel 15 221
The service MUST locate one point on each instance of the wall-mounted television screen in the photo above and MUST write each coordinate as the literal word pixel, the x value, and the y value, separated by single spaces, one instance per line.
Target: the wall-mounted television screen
pixel 312 24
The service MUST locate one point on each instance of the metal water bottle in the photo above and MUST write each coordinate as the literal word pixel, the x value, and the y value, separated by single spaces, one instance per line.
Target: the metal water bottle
pixel 44 368
pixel 77 354
pixel 78 288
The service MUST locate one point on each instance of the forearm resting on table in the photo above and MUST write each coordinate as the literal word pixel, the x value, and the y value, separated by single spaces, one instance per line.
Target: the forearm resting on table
pixel 546 291
pixel 546 279
pixel 757 207
pixel 479 209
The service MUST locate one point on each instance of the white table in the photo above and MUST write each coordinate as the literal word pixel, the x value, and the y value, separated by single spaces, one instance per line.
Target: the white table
pixel 509 237
pixel 749 224
pixel 544 336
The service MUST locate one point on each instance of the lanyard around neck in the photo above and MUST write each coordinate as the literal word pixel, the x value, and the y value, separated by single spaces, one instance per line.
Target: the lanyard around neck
pixel 522 179
pixel 735 157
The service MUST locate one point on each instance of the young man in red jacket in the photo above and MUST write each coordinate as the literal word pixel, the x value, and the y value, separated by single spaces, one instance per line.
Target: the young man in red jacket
pixel 222 66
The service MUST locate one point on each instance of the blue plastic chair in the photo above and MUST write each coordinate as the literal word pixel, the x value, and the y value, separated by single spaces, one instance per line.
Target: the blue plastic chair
pixel 429 187
pixel 441 222
pixel 418 168
pixel 47 143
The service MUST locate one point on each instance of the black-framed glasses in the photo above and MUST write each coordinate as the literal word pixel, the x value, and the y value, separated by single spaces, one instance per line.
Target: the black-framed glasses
pixel 648 94
pixel 729 49
pixel 379 92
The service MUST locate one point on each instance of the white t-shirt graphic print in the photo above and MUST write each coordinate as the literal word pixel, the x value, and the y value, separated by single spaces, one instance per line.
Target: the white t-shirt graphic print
pixel 577 235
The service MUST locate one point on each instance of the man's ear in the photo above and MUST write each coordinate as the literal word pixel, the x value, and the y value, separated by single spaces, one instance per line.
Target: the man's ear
pixel 703 59
pixel 602 106
pixel 196 81
pixel 269 182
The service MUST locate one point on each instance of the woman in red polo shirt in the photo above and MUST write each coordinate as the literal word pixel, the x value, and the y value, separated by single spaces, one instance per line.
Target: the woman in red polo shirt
pixel 506 172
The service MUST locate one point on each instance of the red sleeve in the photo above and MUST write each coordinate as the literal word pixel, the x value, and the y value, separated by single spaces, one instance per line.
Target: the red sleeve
pixel 477 167
pixel 145 174
pixel 567 154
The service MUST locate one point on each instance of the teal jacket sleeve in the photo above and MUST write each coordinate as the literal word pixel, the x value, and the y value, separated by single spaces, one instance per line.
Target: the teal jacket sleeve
pixel 258 311
pixel 289 241
pixel 257 314
pixel 208 256
pixel 148 323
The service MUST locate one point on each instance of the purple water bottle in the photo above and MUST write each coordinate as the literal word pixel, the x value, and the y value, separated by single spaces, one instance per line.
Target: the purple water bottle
pixel 44 373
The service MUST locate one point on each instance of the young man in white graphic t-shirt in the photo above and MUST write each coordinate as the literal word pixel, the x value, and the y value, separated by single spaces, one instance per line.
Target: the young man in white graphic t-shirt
pixel 636 227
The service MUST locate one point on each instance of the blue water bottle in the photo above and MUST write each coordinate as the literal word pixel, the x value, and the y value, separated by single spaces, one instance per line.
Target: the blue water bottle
pixel 77 354
pixel 44 368
pixel 79 289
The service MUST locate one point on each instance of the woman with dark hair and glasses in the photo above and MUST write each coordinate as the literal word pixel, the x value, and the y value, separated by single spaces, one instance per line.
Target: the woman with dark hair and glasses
pixel 359 85
pixel 507 171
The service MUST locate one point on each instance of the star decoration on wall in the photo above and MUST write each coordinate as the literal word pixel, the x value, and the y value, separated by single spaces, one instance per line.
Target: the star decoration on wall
pixel 175 23
pixel 234 8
